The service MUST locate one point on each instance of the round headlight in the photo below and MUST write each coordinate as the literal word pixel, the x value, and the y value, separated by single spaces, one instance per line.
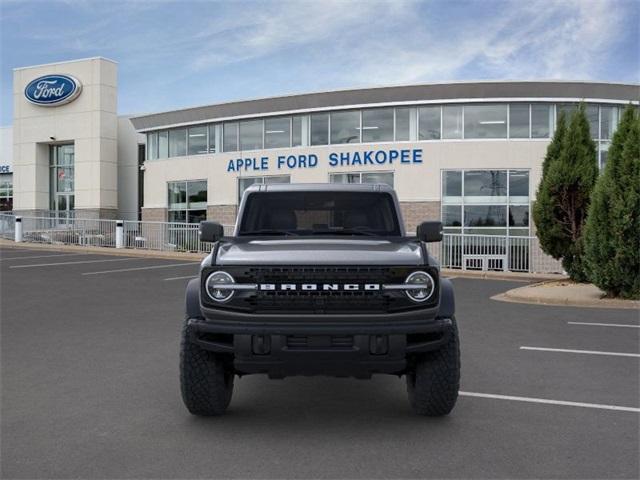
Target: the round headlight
pixel 425 281
pixel 213 284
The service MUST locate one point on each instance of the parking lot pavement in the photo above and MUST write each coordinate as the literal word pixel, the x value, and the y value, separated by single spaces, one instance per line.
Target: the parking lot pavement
pixel 89 363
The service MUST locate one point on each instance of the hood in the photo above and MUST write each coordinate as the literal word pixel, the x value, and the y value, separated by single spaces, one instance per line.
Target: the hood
pixel 325 251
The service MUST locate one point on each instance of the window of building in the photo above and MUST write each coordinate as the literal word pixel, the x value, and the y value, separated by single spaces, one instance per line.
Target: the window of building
pixel 212 139
pixel 152 146
pixel 345 127
pixel 541 120
pixel 592 113
pixel 429 123
pixel 452 121
pixel 485 216
pixel 187 201
pixel 485 121
pixel 403 124
pixel 6 192
pixel 163 144
pixel 197 140
pixel 452 186
pixel 485 185
pixel 251 135
pixel 246 182
pixel 178 142
pixel 320 129
pixel 519 120
pixel 362 177
pixel 230 137
pixel 277 132
pixel 486 202
pixel 604 152
pixel 296 131
pixel 377 125
pixel 608 121
pixel 61 179
pixel 519 186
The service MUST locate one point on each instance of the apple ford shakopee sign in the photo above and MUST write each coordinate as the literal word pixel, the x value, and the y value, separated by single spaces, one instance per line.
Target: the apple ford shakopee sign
pixel 53 90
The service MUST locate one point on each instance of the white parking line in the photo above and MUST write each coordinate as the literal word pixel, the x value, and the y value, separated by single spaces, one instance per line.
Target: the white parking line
pixel 42 256
pixel 75 263
pixel 622 325
pixel 141 268
pixel 588 352
pixel 550 402
pixel 179 278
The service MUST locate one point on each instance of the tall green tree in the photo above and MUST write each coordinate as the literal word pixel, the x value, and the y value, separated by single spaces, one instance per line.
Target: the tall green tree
pixel 563 197
pixel 612 232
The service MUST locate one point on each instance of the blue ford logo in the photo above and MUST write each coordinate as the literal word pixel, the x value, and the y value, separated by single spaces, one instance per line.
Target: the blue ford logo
pixel 53 90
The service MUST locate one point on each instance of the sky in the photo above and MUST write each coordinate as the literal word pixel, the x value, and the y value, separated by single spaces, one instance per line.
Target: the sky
pixel 176 54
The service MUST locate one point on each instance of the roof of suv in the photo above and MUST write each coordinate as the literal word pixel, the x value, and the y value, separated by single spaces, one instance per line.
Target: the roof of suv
pixel 321 187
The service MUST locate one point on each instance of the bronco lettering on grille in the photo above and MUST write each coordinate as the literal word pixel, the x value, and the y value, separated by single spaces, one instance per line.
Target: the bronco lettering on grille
pixel 325 287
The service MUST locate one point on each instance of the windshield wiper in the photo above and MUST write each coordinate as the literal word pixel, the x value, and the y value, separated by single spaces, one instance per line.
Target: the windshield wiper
pixel 346 231
pixel 268 231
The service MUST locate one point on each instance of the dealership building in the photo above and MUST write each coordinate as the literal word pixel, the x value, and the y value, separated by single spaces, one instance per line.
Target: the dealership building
pixel 469 153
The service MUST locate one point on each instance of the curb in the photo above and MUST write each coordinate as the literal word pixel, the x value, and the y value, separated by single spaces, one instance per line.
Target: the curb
pixel 125 252
pixel 509 276
pixel 515 296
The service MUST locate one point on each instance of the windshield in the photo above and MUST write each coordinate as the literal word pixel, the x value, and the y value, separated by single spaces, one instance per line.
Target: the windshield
pixel 320 213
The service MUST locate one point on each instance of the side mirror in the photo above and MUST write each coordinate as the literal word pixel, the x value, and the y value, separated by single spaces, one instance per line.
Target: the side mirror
pixel 430 232
pixel 211 231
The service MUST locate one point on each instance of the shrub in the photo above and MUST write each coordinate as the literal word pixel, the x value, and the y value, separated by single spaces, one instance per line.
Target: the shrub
pixel 560 211
pixel 612 233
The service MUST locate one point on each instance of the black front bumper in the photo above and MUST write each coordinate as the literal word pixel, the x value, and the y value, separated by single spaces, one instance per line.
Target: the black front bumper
pixel 312 345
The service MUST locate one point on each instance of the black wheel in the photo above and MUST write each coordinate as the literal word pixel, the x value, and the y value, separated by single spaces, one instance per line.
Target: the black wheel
pixel 205 383
pixel 434 381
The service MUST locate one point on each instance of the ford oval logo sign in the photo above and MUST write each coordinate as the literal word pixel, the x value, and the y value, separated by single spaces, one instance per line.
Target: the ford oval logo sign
pixel 53 90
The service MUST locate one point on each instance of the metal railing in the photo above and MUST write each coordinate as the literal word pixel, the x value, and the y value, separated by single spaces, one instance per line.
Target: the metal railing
pixel 7 226
pixel 69 231
pixel 164 236
pixel 495 253
pixel 457 251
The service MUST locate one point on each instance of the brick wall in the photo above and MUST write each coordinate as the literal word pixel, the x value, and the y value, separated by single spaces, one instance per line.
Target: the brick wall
pixel 223 214
pixel 414 213
pixel 154 214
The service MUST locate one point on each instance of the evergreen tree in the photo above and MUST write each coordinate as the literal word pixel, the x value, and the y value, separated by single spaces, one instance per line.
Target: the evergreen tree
pixel 612 233
pixel 563 197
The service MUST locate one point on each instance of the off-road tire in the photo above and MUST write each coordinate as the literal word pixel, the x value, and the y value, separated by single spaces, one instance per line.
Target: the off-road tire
pixel 205 383
pixel 433 383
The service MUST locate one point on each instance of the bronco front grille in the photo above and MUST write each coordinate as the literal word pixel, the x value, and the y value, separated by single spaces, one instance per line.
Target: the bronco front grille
pixel 319 301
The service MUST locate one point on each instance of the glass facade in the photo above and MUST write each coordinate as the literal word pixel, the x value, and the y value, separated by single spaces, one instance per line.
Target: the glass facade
pixel 403 124
pixel 377 125
pixel 6 192
pixel 345 127
pixel 246 182
pixel 197 140
pixel 487 202
pixel 362 177
pixel 187 201
pixel 277 132
pixel 384 124
pixel 485 121
pixel 429 123
pixel 61 179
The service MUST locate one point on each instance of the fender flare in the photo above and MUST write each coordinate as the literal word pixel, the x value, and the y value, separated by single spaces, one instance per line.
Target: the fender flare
pixel 192 299
pixel 447 299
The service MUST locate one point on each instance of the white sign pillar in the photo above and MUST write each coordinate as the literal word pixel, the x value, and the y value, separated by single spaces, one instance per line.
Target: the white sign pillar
pixel 18 230
pixel 119 234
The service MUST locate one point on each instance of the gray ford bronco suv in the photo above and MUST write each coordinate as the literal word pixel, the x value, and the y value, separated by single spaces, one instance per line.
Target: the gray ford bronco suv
pixel 320 279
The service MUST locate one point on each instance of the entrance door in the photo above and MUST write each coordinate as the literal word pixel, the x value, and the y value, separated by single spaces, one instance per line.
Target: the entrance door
pixel 62 184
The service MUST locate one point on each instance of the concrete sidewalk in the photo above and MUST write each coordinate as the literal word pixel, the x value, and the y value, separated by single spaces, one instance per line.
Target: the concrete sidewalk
pixel 565 292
